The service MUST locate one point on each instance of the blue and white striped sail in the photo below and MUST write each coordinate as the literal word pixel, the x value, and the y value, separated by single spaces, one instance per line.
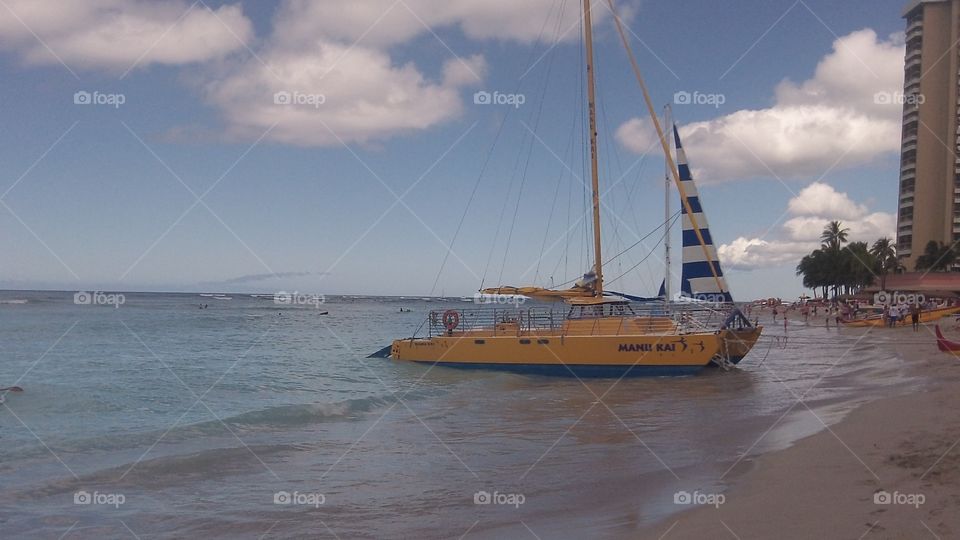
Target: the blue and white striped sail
pixel 698 279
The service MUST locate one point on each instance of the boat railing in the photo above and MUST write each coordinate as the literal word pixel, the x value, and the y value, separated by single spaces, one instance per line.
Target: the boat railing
pixel 518 321
pixel 499 321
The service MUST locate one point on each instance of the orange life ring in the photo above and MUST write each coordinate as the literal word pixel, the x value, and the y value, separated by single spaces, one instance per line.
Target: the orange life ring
pixel 451 319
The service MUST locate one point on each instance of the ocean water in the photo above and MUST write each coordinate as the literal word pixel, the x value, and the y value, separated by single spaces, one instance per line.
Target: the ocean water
pixel 250 419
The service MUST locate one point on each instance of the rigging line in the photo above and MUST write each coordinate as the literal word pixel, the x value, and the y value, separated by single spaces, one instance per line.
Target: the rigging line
pixel 466 210
pixel 643 260
pixel 513 178
pixel 503 211
pixel 556 196
pixel 565 255
pixel 526 166
pixel 614 162
pixel 476 185
pixel 611 151
pixel 584 151
pixel 664 144
pixel 652 251
pixel 673 219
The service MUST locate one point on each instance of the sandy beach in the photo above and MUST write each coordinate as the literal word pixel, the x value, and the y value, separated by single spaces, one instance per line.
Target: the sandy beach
pixel 890 469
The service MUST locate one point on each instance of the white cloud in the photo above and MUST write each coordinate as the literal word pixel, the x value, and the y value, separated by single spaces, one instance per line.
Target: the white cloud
pixel 380 23
pixel 830 120
pixel 749 253
pixel 364 96
pixel 811 210
pixel 116 34
pixel 638 136
pixel 819 199
pixel 342 50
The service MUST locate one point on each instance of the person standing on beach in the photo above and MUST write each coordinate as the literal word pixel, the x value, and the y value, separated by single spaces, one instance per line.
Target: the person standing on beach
pixel 915 316
pixel 774 313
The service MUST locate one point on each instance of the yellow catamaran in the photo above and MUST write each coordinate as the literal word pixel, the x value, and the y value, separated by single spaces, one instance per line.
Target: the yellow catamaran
pixel 598 334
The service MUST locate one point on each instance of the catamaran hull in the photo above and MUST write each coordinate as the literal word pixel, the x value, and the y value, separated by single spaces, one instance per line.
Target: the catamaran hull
pixel 578 370
pixel 581 356
pixel 736 344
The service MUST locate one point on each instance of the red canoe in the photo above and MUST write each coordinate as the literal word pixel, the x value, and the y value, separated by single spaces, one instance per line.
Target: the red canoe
pixel 945 344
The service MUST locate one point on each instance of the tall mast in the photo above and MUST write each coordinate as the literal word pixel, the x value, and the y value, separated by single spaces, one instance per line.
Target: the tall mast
pixel 667 185
pixel 592 112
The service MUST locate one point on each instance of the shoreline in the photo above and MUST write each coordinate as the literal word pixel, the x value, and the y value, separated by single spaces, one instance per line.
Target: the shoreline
pixel 827 484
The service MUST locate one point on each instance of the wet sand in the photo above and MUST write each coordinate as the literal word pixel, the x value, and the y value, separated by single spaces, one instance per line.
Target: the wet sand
pixel 890 469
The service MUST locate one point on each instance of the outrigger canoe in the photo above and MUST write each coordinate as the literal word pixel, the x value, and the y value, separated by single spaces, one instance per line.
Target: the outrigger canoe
pixel 945 344
pixel 879 320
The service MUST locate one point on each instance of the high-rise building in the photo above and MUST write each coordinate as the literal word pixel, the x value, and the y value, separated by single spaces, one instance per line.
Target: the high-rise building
pixel 929 204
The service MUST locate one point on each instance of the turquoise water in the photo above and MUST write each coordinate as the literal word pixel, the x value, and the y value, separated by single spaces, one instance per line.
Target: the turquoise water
pixel 176 421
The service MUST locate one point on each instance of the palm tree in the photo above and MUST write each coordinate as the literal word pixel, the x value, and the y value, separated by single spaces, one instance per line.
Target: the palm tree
pixel 814 268
pixel 885 253
pixel 858 265
pixel 834 235
pixel 937 257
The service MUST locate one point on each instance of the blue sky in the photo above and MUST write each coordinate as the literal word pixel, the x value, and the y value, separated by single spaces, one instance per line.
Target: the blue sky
pixel 304 197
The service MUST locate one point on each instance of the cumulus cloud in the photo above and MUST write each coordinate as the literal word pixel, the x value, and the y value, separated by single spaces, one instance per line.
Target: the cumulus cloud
pixel 120 34
pixel 812 208
pixel 322 73
pixel 335 93
pixel 380 23
pixel 832 120
pixel 638 136
pixel 820 199
pixel 341 50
